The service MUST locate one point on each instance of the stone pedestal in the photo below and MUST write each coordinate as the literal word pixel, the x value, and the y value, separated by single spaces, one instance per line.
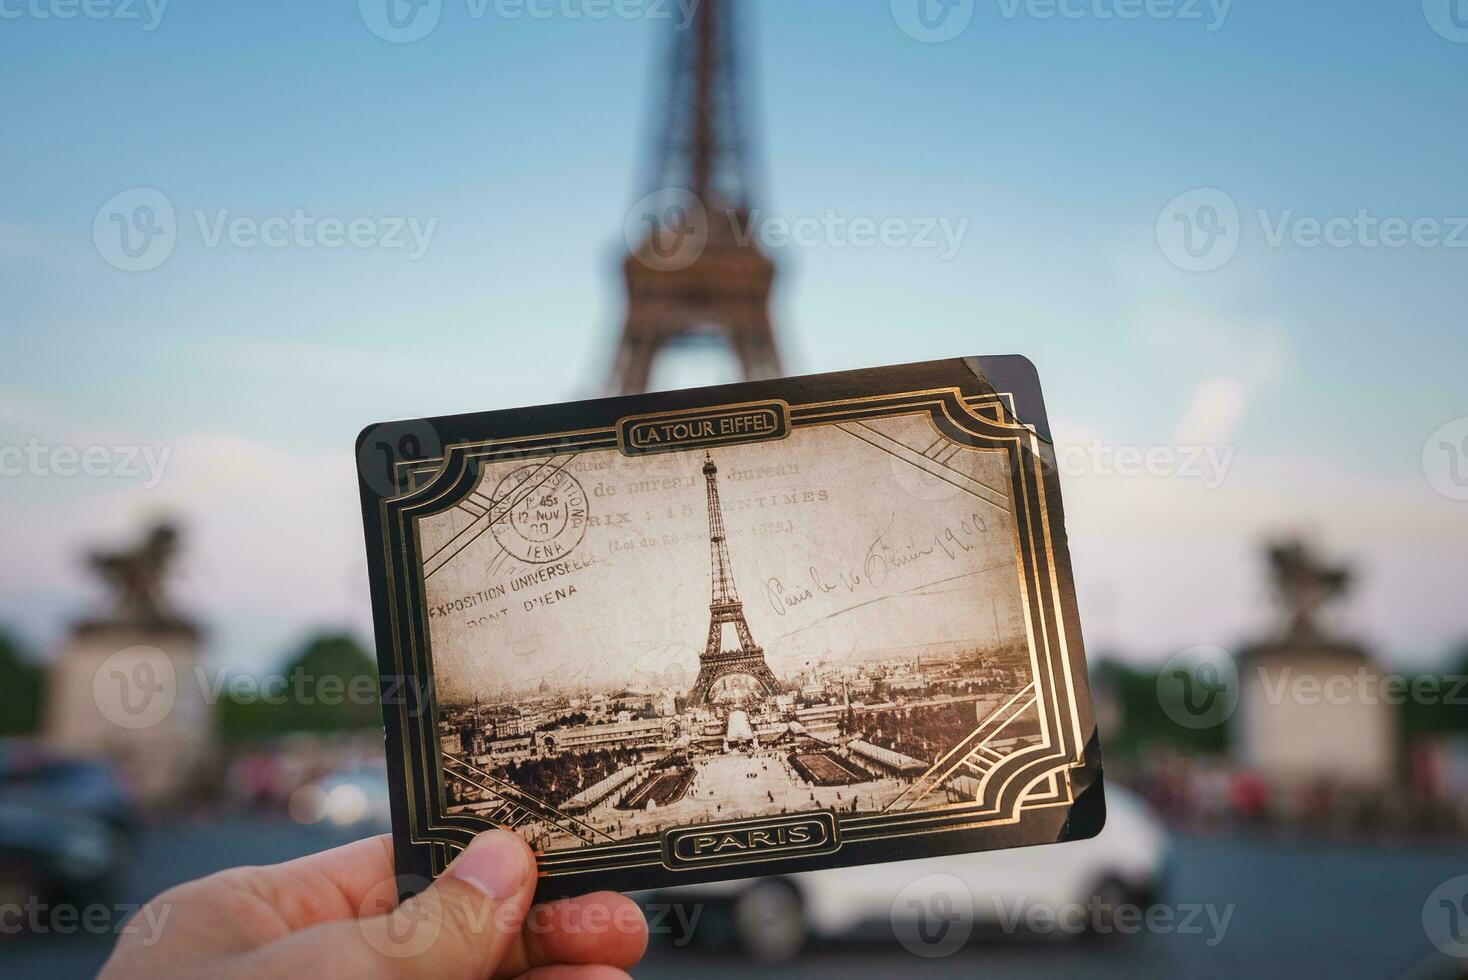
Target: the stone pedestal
pixel 132 694
pixel 1314 713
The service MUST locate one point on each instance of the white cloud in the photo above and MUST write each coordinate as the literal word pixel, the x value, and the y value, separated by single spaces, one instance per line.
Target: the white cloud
pixel 1211 416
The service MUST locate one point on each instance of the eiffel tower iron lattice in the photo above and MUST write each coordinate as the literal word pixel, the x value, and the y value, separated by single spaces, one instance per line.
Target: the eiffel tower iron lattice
pixel 716 663
pixel 698 273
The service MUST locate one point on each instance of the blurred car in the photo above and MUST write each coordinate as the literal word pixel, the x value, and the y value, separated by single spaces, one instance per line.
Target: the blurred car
pixel 50 857
pixel 773 918
pixel 30 774
pixel 66 827
pixel 354 796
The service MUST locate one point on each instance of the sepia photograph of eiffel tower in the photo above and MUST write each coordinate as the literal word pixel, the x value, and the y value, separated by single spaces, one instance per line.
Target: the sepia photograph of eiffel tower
pixel 747 658
pixel 878 661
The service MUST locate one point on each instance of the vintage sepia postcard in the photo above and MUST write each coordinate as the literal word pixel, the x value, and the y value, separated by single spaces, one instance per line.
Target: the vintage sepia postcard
pixel 750 629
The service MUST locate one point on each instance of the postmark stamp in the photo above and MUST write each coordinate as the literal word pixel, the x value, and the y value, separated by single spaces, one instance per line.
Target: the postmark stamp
pixel 544 513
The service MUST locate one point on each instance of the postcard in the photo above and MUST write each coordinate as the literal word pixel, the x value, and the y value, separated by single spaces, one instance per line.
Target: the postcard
pixel 750 629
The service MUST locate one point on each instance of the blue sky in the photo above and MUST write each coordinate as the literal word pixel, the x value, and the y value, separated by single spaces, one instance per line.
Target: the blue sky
pixel 1058 140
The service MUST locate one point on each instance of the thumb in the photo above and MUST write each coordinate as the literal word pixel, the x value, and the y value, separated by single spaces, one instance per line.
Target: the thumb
pixel 463 924
pixel 458 928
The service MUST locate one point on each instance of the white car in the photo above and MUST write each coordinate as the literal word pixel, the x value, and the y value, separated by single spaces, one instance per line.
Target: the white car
pixel 1064 889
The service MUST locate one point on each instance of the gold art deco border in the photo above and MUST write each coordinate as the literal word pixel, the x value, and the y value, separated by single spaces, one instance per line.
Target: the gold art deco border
pixel 1033 778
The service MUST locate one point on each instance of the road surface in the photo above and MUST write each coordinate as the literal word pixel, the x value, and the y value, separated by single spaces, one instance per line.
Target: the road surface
pixel 1299 909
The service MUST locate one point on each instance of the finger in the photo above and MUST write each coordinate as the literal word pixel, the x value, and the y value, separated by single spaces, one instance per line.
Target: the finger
pixel 460 926
pixel 564 972
pixel 354 869
pixel 602 928
pixel 318 888
pixel 245 908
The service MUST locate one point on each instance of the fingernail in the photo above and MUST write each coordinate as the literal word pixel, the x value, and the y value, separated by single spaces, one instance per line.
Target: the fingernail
pixel 494 862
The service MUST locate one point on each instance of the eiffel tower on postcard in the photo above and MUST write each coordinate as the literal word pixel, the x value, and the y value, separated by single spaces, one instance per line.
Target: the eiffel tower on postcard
pixel 716 663
pixel 695 271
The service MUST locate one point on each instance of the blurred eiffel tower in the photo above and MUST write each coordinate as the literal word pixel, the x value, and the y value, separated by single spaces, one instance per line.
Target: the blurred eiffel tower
pixel 695 273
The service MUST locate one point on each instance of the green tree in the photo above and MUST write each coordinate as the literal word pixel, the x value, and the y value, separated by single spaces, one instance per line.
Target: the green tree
pixel 330 686
pixel 22 686
pixel 1437 705
pixel 1143 723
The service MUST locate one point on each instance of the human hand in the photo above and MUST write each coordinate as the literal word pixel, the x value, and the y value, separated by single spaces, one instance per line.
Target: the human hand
pixel 336 915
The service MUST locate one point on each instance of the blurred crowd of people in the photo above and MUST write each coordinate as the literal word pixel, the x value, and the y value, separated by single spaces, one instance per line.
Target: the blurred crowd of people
pixel 264 778
pixel 1210 794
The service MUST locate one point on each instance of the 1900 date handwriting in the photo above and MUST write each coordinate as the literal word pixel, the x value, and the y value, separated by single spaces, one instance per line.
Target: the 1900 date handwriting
pixel 882 557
